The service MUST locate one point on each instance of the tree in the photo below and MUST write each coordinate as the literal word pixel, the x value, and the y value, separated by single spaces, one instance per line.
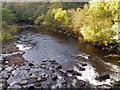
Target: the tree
pixel 8 16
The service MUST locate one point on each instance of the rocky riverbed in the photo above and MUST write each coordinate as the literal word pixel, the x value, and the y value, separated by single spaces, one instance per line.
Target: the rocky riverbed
pixel 46 74
pixel 48 59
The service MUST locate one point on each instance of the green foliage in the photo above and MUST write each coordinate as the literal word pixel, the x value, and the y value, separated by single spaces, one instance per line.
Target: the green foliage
pixel 42 8
pixel 8 31
pixel 8 16
pixel 39 19
pixel 30 9
pixel 94 20
pixel 98 24
pixel 49 18
pixel 55 5
pixel 61 18
pixel 73 5
pixel 98 32
pixel 78 17
pixel 19 10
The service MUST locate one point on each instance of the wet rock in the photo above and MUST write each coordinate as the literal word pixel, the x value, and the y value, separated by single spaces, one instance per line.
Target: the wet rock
pixel 75 73
pixel 1 61
pixel 6 62
pixel 34 76
pixel 103 76
pixel 107 87
pixel 49 84
pixel 43 67
pixel 24 82
pixel 5 74
pixel 59 67
pixel 69 70
pixel 117 84
pixel 43 78
pixel 54 77
pixel 52 61
pixel 30 64
pixel 38 85
pixel 35 70
pixel 9 69
pixel 39 78
pixel 47 75
pixel 43 63
pixel 44 60
pixel 80 83
pixel 82 69
pixel 63 72
pixel 24 68
pixel 84 64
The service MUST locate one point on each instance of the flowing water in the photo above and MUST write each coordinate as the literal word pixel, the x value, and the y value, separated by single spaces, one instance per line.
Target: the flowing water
pixel 41 44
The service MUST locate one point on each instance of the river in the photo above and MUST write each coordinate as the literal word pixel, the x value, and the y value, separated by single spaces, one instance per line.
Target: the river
pixel 40 44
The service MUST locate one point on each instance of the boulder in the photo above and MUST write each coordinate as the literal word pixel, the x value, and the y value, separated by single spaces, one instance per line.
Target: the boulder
pixel 103 76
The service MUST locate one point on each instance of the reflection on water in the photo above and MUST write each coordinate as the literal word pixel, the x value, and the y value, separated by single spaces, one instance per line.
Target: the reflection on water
pixel 44 44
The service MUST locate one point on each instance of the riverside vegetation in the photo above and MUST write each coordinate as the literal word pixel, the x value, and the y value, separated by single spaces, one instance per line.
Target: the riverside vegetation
pixel 95 22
